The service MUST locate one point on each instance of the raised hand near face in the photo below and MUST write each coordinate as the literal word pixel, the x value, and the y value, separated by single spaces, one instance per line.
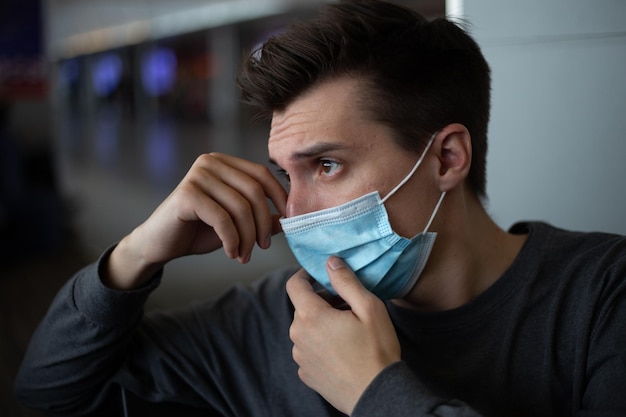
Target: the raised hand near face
pixel 221 202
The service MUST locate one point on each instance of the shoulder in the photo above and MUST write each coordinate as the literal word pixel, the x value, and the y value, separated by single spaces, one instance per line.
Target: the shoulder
pixel 569 245
pixel 587 266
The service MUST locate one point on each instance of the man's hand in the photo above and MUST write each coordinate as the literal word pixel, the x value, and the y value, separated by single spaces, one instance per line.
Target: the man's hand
pixel 221 202
pixel 339 352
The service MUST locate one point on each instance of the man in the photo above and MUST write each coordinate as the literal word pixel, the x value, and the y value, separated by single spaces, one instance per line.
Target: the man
pixel 375 113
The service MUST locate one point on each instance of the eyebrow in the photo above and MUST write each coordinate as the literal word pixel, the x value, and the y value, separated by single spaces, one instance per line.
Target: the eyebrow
pixel 314 150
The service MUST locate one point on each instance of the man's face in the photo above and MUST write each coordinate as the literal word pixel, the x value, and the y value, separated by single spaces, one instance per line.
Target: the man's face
pixel 332 154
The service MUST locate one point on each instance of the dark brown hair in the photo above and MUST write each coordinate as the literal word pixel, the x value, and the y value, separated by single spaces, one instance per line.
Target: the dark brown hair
pixel 420 75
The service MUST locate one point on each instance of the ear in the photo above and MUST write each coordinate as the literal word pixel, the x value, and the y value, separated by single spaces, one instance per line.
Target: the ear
pixel 453 146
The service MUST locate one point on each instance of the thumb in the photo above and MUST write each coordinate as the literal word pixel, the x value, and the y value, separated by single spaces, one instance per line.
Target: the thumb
pixel 345 282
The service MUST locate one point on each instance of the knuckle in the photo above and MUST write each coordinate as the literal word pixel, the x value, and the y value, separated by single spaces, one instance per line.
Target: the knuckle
pixel 292 283
pixel 308 316
pixel 292 334
pixel 263 171
pixel 295 353
pixel 256 191
pixel 215 155
pixel 240 207
pixel 205 159
pixel 186 188
pixel 289 285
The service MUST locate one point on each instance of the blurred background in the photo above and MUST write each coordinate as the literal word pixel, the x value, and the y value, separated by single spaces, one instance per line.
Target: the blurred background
pixel 104 105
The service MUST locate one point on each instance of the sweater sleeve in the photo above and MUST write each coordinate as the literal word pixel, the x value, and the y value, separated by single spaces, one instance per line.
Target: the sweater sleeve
pixel 80 344
pixel 396 391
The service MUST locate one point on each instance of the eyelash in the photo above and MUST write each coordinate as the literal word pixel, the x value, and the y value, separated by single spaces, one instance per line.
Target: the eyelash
pixel 283 174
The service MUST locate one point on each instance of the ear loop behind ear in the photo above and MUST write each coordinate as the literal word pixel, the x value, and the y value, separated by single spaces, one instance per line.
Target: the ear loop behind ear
pixel 408 177
pixel 410 174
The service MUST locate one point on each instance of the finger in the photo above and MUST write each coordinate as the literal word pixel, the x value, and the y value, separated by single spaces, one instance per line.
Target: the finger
pixel 230 207
pixel 242 196
pixel 255 183
pixel 255 211
pixel 215 215
pixel 346 284
pixel 301 292
pixel 271 186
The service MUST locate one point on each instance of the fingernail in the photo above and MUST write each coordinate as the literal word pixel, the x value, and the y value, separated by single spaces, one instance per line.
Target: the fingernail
pixel 336 263
pixel 268 241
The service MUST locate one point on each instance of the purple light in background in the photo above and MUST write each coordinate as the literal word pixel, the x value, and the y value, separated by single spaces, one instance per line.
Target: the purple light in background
pixel 107 73
pixel 158 71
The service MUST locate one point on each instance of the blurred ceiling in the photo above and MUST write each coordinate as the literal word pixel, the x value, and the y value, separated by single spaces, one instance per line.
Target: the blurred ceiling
pixel 78 27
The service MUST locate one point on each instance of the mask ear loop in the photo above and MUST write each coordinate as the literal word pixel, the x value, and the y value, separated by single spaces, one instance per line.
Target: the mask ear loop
pixel 432 216
pixel 410 174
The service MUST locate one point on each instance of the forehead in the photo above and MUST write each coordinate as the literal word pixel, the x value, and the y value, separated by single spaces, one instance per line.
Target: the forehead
pixel 329 111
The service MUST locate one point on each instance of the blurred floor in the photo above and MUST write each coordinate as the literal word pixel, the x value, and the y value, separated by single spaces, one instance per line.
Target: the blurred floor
pixel 27 287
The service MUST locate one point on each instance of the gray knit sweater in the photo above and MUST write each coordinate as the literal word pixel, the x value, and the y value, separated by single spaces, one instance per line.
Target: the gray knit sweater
pixel 547 339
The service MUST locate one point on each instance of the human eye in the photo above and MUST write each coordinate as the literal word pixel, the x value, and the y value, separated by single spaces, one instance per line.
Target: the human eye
pixel 328 166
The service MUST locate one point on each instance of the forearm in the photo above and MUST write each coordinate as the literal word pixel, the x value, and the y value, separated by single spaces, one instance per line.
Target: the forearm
pixel 80 343
pixel 396 391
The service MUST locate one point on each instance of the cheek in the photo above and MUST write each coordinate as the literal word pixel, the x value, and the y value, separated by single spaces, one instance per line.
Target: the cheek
pixel 409 210
pixel 401 221
pixel 307 195
pixel 302 200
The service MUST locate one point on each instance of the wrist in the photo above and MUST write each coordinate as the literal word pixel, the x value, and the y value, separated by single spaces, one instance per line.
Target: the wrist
pixel 127 268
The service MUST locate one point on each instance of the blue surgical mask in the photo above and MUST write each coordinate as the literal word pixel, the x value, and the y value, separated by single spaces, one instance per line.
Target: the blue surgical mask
pixel 359 232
